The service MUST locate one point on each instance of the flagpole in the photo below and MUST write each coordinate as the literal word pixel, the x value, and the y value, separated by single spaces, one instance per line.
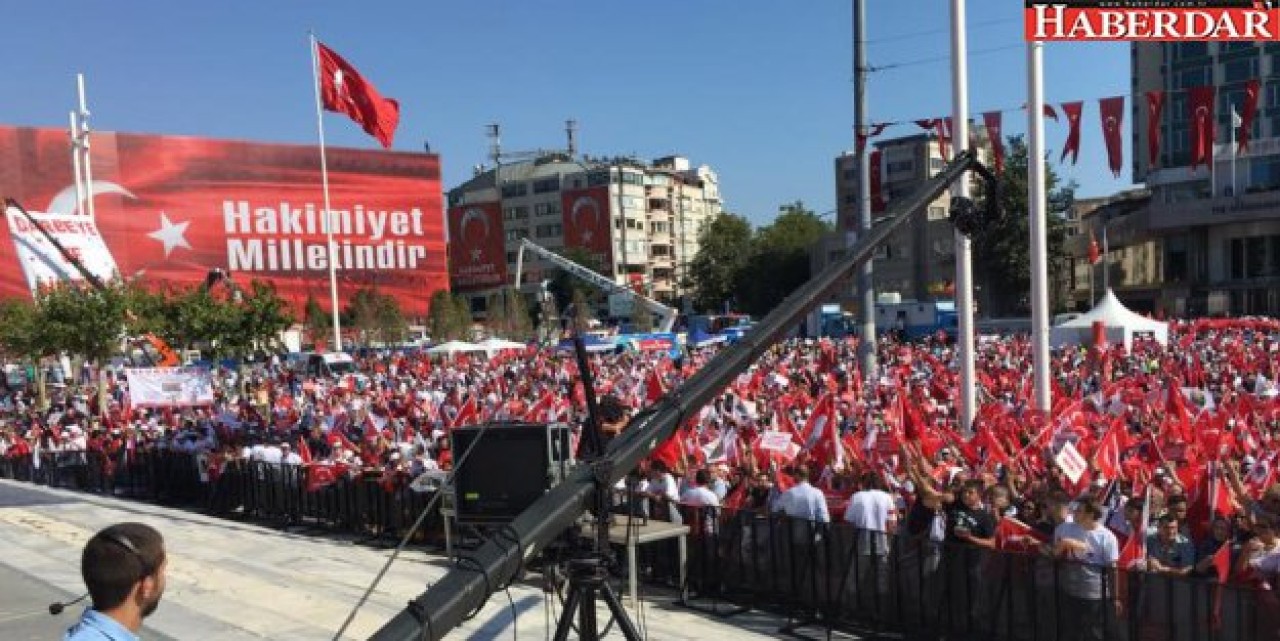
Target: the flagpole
pixel 1235 118
pixel 328 217
pixel 1037 204
pixel 1106 260
pixel 964 251
pixel 75 165
pixel 84 146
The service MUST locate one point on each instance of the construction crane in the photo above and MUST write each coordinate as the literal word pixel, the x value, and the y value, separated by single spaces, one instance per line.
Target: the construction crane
pixel 477 574
pixel 165 356
pixel 666 315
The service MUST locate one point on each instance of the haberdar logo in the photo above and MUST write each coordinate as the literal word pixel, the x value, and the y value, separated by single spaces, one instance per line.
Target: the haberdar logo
pixel 586 203
pixel 475 243
pixel 1152 20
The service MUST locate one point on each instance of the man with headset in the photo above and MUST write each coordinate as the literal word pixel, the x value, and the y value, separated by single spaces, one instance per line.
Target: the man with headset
pixel 124 568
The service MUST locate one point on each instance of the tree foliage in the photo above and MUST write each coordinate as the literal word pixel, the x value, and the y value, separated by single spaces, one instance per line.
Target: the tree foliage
pixel 319 322
pixel 779 260
pixel 1002 249
pixel 563 285
pixel 724 247
pixel 376 316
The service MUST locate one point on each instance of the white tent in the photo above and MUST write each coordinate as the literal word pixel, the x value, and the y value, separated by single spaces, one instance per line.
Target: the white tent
pixel 1121 325
pixel 454 347
pixel 493 345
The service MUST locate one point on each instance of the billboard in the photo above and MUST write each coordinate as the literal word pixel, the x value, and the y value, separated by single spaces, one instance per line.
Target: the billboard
pixel 587 223
pixel 478 257
pixel 168 209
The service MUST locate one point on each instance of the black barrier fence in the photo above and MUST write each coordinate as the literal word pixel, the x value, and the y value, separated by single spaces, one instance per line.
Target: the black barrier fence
pixel 834 576
pixel 360 505
pixel 829 576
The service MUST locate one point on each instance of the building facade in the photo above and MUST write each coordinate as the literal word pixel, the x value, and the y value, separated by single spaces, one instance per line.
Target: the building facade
pixel 1216 229
pixel 918 261
pixel 656 212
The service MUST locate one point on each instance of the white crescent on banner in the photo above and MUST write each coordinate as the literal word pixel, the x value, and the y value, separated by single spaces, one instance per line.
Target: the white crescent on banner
pixel 585 202
pixel 64 202
pixel 1111 123
pixel 1202 112
pixel 473 214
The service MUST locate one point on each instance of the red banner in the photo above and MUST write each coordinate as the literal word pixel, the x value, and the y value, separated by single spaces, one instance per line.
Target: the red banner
pixel 587 223
pixel 1111 111
pixel 1200 113
pixel 877 183
pixel 168 209
pixel 477 247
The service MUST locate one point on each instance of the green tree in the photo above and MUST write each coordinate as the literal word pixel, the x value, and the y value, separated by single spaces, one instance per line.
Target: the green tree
pixel 257 320
pixel 442 317
pixel 518 322
pixel 779 259
pixel 391 323
pixel 319 323
pixel 582 310
pixel 362 312
pixel 22 335
pixel 462 317
pixel 85 321
pixel 496 312
pixel 1002 248
pixel 723 249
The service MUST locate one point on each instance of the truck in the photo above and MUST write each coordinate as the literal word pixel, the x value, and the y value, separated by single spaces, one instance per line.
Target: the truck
pixel 914 320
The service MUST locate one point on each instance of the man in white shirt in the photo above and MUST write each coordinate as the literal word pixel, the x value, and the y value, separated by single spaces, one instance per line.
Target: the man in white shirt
pixel 1090 552
pixel 874 516
pixel 697 495
pixel 663 493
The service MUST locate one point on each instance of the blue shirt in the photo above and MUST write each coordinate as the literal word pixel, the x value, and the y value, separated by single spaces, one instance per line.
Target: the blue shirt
pixel 804 501
pixel 96 626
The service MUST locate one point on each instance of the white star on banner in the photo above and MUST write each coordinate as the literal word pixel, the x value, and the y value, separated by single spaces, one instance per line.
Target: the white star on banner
pixel 172 235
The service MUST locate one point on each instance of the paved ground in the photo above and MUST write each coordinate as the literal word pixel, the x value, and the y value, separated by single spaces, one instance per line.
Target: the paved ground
pixel 230 580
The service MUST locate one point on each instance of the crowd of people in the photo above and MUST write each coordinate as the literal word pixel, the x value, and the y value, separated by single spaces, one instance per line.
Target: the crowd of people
pixel 1156 457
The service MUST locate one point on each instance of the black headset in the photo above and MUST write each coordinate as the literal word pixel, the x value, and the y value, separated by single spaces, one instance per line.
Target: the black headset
pixel 122 541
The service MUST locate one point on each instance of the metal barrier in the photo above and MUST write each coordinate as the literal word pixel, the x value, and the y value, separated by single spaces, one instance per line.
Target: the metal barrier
pixel 360 505
pixel 838 578
pixel 827 575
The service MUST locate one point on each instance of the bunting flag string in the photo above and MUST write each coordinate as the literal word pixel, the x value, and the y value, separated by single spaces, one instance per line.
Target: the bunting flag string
pixel 1200 114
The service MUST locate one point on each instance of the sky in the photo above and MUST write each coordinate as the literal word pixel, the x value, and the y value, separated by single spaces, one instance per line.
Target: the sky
pixel 760 90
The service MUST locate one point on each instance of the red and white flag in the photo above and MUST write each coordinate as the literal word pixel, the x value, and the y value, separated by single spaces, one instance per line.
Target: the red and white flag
pixel 345 91
pixel 1015 536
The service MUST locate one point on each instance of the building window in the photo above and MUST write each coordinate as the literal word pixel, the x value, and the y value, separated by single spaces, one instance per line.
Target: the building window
pixel 515 190
pixel 1185 50
pixel 660 228
pixel 546 185
pixel 1240 70
pixel 632 178
pixel 511 257
pixel 849 174
pixel 517 234
pixel 1194 77
pixel 634 224
pixel 546 209
pixel 1175 264
pixel 515 213
pixel 598 177
pixel 660 250
pixel 899 166
pixel 658 204
pixel 548 231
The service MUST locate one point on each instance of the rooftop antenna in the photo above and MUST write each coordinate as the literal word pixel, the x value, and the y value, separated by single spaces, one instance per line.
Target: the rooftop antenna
pixel 494 132
pixel 571 130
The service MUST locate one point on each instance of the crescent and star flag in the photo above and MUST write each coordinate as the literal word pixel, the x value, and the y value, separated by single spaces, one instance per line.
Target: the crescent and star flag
pixel 1243 122
pixel 1200 113
pixel 1072 145
pixel 345 91
pixel 1112 113
pixel 992 121
pixel 587 222
pixel 1155 105
pixel 1094 254
pixel 1013 535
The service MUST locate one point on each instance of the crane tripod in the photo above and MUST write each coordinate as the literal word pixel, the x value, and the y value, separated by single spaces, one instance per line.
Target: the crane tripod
pixel 588 570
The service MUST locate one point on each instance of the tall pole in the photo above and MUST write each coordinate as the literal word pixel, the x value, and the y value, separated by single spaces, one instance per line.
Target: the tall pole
pixel 328 211
pixel 866 294
pixel 75 166
pixel 960 189
pixel 84 147
pixel 1037 204
pixel 1234 117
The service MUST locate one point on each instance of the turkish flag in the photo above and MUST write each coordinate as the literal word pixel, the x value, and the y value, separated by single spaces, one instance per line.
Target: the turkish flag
pixel 877 182
pixel 1247 113
pixel 653 388
pixel 1155 106
pixel 939 126
pixel 320 475
pixel 477 246
pixel 1112 113
pixel 1072 146
pixel 992 121
pixel 1200 113
pixel 1013 535
pixel 1094 254
pixel 587 222
pixel 345 91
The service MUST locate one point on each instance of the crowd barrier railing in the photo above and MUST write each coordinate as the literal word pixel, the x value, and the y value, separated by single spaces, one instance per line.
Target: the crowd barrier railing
pixel 831 576
pixel 359 504
pixel 837 577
